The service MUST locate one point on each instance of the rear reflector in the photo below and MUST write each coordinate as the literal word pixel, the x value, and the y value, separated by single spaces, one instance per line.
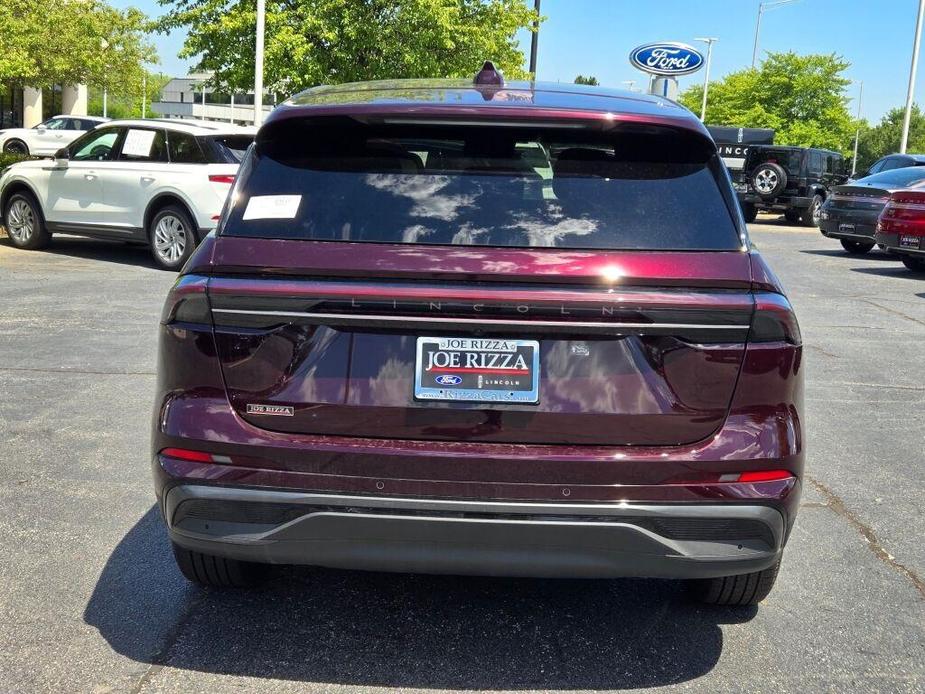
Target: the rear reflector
pixel 186 454
pixel 222 178
pixel 764 476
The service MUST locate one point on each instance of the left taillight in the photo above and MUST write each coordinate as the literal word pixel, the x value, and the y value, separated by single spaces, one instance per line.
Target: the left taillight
pixel 222 178
pixel 187 302
pixel 903 214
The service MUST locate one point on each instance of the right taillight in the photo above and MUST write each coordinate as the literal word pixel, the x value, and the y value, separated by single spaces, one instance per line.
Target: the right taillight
pixel 903 214
pixel 774 320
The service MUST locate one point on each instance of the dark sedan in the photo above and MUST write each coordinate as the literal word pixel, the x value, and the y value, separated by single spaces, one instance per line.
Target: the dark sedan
pixel 850 212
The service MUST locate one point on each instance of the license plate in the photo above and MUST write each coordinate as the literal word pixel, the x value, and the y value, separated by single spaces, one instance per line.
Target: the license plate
pixel 477 369
pixel 909 241
pixel 846 228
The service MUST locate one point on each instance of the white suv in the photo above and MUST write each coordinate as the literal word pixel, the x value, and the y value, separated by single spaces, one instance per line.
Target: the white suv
pixel 160 182
pixel 47 138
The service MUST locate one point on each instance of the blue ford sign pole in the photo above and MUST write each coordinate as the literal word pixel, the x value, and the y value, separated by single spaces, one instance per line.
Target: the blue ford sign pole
pixel 665 61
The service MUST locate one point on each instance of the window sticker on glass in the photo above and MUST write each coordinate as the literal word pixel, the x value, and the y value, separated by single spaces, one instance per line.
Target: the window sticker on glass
pixel 272 207
pixel 138 143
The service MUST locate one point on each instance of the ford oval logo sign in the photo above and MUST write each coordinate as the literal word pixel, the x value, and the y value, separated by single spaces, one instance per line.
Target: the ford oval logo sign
pixel 666 58
pixel 447 380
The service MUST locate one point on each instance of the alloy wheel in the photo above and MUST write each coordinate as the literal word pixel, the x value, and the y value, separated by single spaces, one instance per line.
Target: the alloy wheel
pixel 170 238
pixel 765 180
pixel 817 212
pixel 20 221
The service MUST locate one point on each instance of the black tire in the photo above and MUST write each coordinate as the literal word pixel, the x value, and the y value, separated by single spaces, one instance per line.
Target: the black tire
pixel 793 216
pixel 16 147
pixel 914 264
pixel 856 247
pixel 217 572
pixel 768 179
pixel 749 211
pixel 172 236
pixel 25 225
pixel 811 215
pixel 736 591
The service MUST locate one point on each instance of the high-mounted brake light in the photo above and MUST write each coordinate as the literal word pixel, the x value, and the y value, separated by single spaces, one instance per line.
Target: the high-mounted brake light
pixel 222 178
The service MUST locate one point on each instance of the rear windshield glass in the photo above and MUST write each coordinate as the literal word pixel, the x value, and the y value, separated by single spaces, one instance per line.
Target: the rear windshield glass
pixel 790 159
pixel 481 185
pixel 898 178
pixel 231 148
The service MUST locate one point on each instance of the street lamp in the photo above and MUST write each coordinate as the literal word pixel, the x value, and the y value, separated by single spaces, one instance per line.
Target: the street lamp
pixel 535 39
pixel 904 141
pixel 629 85
pixel 706 74
pixel 857 133
pixel 104 44
pixel 762 7
pixel 258 62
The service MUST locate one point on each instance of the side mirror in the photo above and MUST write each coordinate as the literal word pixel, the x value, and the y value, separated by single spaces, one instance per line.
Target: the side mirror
pixel 41 128
pixel 61 158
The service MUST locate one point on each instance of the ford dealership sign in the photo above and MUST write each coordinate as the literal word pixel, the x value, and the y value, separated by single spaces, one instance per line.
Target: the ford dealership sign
pixel 666 58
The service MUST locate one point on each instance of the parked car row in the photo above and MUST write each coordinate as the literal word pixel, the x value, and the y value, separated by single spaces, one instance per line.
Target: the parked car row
pixel 47 137
pixel 155 182
pixel 882 207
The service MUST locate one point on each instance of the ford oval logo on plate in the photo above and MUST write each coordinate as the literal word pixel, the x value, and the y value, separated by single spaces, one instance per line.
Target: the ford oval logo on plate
pixel 447 380
pixel 666 58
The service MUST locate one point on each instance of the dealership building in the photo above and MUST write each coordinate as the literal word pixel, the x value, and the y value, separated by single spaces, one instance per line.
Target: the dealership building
pixel 25 107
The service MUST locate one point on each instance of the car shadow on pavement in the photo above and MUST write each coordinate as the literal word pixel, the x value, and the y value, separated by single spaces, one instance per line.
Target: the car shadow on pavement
pixel 97 249
pixel 900 271
pixel 377 629
pixel 839 253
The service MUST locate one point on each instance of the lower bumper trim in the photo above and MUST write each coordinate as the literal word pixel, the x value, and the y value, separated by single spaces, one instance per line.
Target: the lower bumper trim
pixel 476 538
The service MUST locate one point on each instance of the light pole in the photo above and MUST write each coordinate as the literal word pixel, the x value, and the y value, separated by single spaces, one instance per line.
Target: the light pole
pixel 629 85
pixel 535 39
pixel 706 74
pixel 904 141
pixel 144 92
pixel 104 44
pixel 857 133
pixel 258 62
pixel 762 7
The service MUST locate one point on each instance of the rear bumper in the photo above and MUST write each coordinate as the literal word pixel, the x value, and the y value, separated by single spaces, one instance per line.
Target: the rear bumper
pixel 891 242
pixel 475 537
pixel 834 229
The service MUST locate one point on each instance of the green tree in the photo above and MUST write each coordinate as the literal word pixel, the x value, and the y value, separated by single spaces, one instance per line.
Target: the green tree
pixel 884 138
pixel 125 101
pixel 311 42
pixel 802 97
pixel 589 80
pixel 71 42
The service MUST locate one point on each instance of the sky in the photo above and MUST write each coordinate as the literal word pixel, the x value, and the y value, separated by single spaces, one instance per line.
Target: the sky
pixel 594 37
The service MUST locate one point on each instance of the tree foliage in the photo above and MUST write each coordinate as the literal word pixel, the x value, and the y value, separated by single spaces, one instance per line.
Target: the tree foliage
pixel 802 97
pixel 589 80
pixel 48 42
pixel 125 102
pixel 884 138
pixel 311 42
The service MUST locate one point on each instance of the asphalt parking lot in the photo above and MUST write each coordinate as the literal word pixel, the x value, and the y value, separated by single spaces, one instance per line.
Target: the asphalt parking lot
pixel 90 599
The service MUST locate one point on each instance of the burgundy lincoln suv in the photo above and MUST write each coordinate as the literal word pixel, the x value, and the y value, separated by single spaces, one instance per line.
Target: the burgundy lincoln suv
pixel 481 328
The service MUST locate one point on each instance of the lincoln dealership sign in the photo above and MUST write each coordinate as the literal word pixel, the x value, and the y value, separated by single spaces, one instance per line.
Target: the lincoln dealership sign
pixel 666 58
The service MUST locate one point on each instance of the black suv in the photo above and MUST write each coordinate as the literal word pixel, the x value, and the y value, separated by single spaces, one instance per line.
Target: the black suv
pixel 794 180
